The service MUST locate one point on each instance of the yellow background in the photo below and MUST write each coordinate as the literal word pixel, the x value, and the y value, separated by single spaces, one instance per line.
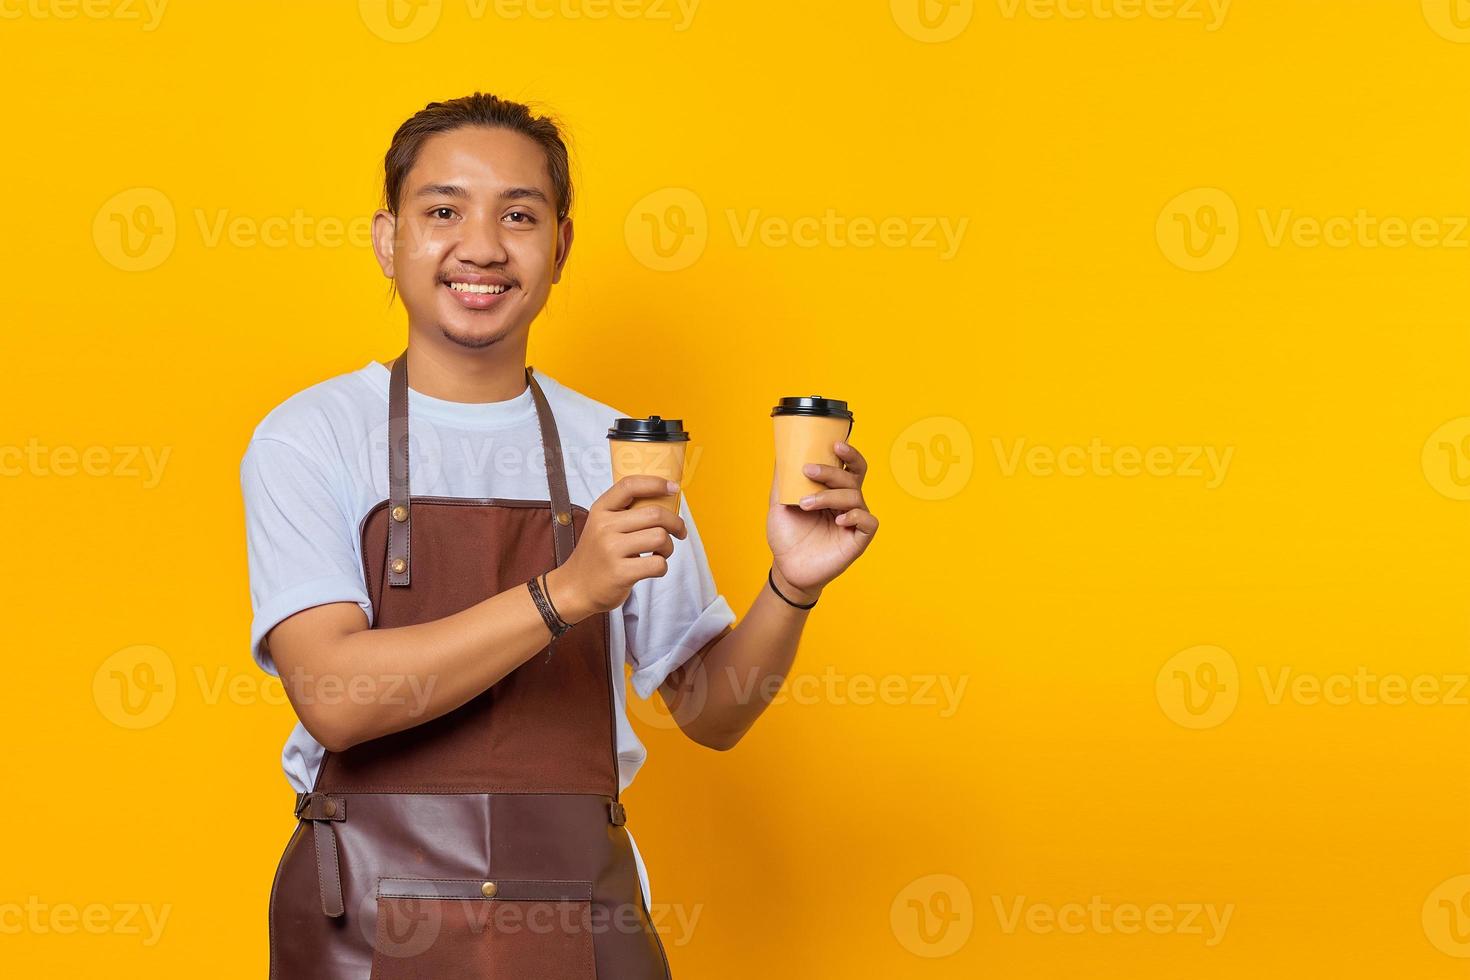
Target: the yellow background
pixel 1075 607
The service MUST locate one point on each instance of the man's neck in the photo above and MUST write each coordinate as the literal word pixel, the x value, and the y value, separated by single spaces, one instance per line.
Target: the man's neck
pixel 457 374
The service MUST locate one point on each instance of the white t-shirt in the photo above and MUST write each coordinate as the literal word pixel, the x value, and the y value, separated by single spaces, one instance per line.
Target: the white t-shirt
pixel 318 462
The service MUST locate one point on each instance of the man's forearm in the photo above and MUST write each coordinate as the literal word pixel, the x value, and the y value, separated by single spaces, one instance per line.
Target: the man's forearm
pixel 717 695
pixel 367 683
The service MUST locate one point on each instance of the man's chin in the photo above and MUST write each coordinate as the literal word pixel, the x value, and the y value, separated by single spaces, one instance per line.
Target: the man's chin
pixel 473 338
pixel 473 335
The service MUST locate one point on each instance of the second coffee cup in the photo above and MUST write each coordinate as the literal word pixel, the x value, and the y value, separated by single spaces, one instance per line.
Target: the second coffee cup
pixel 649 447
pixel 806 428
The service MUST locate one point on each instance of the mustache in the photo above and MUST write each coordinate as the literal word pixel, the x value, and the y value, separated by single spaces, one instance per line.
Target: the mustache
pixel 446 274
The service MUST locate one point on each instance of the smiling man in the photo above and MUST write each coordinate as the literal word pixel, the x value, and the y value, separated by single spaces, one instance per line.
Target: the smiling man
pixel 450 586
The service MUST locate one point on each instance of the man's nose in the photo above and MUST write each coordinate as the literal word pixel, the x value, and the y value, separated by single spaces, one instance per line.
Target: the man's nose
pixel 480 242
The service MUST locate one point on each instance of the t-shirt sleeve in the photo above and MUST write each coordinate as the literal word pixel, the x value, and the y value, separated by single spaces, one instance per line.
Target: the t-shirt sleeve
pixel 298 540
pixel 667 619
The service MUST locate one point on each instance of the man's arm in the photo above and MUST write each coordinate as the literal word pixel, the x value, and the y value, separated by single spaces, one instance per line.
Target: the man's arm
pixel 349 683
pixel 738 671
pixel 717 694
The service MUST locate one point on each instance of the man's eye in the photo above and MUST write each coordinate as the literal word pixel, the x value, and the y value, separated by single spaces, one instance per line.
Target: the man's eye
pixel 443 213
pixel 520 214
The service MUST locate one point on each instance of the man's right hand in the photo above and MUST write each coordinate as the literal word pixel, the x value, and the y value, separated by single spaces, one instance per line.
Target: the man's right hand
pixel 621 543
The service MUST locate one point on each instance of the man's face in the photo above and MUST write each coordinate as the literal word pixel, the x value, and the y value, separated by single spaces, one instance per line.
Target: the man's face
pixel 475 247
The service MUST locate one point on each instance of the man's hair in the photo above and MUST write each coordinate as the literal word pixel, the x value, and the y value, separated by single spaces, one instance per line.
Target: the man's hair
pixel 476 110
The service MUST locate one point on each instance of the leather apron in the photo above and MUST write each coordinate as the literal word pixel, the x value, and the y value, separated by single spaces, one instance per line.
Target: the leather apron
pixel 488 842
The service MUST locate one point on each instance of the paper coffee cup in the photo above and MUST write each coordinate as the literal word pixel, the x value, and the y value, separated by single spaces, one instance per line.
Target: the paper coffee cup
pixel 806 428
pixel 649 447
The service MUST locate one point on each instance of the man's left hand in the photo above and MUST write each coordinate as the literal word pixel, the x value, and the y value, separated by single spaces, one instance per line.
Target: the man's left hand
pixel 814 542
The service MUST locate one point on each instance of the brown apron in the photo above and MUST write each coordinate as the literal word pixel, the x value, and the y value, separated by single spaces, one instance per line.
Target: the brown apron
pixel 488 842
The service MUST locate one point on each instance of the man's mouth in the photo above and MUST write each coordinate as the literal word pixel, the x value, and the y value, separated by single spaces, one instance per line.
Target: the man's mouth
pixel 477 287
pixel 477 292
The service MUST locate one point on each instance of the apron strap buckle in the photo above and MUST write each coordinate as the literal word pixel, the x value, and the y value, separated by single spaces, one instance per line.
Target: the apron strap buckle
pixel 323 810
pixel 617 814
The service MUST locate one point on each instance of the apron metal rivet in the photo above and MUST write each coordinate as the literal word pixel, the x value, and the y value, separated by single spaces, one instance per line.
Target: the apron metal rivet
pixel 488 889
pixel 399 566
pixel 400 513
pixel 563 518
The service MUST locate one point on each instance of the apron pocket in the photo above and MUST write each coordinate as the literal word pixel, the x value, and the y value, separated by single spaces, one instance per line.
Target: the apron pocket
pixel 499 929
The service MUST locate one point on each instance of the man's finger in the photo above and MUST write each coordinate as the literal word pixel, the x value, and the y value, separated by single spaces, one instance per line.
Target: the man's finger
pixel 856 461
pixel 844 499
pixel 622 494
pixel 642 516
pixel 831 476
pixel 653 539
pixel 649 566
pixel 861 520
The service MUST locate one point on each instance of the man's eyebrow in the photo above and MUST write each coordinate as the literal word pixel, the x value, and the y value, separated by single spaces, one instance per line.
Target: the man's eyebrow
pixel 459 193
pixel 442 190
pixel 523 193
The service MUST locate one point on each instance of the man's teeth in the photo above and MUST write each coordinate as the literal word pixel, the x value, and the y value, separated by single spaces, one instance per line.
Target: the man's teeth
pixel 477 287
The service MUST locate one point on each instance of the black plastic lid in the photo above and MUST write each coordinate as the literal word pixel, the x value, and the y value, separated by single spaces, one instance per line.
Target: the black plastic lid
pixel 813 405
pixel 651 429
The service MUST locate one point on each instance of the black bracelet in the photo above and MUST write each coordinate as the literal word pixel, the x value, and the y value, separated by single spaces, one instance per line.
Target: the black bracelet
pixel 553 622
pixel 546 591
pixel 771 577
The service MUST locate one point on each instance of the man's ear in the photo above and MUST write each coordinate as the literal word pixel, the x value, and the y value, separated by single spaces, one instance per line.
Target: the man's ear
pixel 385 226
pixel 563 248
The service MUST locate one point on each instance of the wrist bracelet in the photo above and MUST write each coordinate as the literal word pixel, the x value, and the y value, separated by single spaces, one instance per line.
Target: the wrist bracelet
pixel 546 591
pixel 554 623
pixel 771 578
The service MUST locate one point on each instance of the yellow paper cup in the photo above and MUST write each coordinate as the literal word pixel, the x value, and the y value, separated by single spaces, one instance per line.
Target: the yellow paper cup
pixel 806 427
pixel 653 446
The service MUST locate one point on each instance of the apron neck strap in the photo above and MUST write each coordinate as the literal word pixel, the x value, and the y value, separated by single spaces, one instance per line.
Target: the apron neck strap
pixel 563 538
pixel 399 511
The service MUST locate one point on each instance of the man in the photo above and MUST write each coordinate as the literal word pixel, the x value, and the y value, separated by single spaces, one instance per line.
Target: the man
pixel 451 607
